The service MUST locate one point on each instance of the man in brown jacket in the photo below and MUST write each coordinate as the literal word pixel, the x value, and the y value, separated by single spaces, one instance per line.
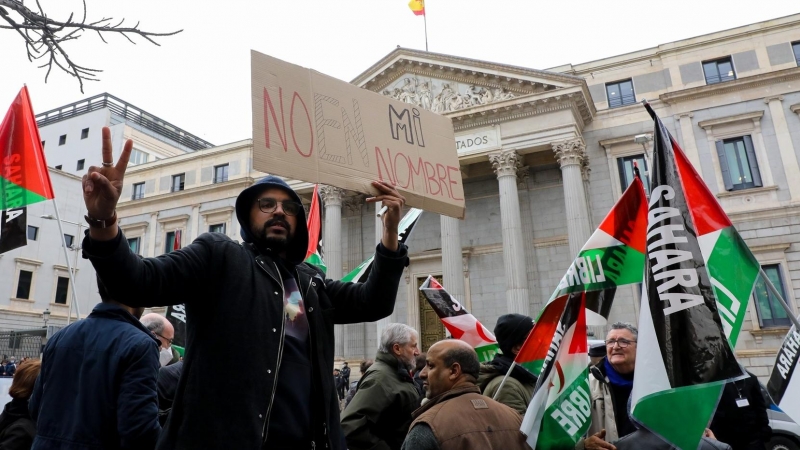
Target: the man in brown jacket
pixel 457 416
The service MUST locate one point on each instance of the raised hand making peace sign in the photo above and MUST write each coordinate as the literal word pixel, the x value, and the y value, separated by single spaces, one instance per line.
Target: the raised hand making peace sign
pixel 102 187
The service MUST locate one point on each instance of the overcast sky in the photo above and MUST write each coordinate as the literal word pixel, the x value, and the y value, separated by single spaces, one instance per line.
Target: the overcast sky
pixel 199 80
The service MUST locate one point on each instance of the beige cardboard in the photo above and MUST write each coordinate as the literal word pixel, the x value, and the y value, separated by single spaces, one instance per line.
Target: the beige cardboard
pixel 312 127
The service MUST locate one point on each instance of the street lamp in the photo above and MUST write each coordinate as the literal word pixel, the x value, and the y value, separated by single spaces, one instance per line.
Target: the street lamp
pixel 76 249
pixel 46 316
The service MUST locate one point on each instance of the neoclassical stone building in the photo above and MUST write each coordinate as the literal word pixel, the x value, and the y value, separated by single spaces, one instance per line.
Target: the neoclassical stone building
pixel 544 155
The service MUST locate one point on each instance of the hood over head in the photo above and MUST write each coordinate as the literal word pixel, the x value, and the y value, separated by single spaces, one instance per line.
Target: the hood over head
pixel 296 252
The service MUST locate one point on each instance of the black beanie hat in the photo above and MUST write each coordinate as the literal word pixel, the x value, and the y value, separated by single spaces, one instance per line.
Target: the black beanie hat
pixel 511 330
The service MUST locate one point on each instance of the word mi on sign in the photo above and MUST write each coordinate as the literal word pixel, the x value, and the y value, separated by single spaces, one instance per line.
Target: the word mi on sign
pixel 406 125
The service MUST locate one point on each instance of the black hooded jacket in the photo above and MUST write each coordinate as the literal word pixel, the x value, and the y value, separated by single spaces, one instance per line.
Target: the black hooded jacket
pixel 235 318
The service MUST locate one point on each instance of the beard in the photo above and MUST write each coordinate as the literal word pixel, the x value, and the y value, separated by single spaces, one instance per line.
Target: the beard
pixel 277 244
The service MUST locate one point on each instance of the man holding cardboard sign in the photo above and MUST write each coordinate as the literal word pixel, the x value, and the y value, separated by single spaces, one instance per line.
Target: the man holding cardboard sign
pixel 315 128
pixel 256 307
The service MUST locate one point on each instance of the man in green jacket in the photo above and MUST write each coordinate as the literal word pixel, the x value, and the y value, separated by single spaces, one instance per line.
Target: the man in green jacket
pixel 379 415
pixel 510 331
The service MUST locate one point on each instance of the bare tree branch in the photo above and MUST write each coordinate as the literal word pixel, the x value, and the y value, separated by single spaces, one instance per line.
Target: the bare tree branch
pixel 44 36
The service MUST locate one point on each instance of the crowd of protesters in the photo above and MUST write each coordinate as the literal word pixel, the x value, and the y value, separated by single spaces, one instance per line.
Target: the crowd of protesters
pixel 113 381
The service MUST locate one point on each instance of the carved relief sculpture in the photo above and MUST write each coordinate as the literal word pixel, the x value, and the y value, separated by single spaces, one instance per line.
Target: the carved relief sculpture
pixel 420 92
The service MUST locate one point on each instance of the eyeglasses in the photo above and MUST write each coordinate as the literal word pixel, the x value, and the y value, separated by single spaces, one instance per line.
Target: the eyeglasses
pixel 623 343
pixel 269 204
pixel 162 337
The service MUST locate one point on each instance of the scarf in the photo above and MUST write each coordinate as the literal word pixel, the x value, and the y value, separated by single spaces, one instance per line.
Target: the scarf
pixel 617 378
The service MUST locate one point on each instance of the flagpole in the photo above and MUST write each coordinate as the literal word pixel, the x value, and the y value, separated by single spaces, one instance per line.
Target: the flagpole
pixel 425 20
pixel 502 383
pixel 783 303
pixel 69 266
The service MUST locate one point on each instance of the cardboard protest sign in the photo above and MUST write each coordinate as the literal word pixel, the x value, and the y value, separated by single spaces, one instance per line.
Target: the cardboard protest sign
pixel 312 127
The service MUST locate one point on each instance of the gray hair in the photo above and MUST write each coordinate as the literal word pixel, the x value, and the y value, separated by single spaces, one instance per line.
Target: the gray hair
pixel 395 333
pixel 626 326
pixel 154 323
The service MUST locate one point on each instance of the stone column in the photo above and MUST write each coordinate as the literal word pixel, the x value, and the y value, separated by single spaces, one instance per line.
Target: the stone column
pixel 380 324
pixel 332 246
pixel 195 220
pixel 452 264
pixel 571 155
pixel 152 230
pixel 354 334
pixel 689 143
pixel 505 165
pixel 785 146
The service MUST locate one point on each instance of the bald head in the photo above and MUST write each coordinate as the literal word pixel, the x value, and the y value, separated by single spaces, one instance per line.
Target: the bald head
pixel 449 363
pixel 161 327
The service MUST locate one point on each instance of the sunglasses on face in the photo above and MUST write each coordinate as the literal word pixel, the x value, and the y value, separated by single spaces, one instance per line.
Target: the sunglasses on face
pixel 269 204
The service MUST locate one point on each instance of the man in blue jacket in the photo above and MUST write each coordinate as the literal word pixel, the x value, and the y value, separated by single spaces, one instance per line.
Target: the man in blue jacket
pixel 97 387
pixel 255 304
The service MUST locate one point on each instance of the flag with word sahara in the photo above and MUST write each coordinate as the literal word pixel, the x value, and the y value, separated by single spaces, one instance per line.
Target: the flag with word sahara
pixel 360 273
pixel 613 256
pixel 24 178
pixel 458 321
pixel 314 225
pixel 699 275
pixel 784 383
pixel 560 411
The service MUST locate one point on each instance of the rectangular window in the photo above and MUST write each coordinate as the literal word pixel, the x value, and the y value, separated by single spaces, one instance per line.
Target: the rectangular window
pixel 719 70
pixel 169 242
pixel 58 167
pixel 221 173
pixel 33 233
pixel 24 284
pixel 796 49
pixel 738 163
pixel 69 239
pixel 138 191
pixel 626 171
pixel 770 311
pixel 42 144
pixel 84 133
pixel 138 157
pixel 134 244
pixel 177 182
pixel 620 93
pixel 62 139
pixel 217 228
pixel 80 164
pixel 62 286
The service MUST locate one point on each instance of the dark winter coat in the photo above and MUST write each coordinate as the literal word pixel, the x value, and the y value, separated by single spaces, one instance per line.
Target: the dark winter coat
pixel 643 439
pixel 16 427
pixel 380 413
pixel 234 310
pixel 741 427
pixel 97 386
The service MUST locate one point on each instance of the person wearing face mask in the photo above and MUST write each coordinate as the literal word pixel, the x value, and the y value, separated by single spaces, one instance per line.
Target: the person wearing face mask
pixel 102 371
pixel 165 332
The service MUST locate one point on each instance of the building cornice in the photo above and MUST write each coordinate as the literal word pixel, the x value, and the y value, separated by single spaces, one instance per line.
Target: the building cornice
pixel 755 115
pixel 173 160
pixel 190 195
pixel 741 84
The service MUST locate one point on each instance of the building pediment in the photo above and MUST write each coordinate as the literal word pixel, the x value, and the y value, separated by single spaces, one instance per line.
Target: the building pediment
pixel 452 85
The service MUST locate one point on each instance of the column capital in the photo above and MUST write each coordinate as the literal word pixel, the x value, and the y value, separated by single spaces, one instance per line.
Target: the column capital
pixel 682 115
pixel 506 163
pixel 331 196
pixel 772 98
pixel 571 151
pixel 354 204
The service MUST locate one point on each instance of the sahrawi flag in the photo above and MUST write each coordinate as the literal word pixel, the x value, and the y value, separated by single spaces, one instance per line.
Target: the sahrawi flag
pixel 24 178
pixel 698 277
pixel 458 321
pixel 314 225
pixel 613 256
pixel 360 273
pixel 560 411
pixel 784 383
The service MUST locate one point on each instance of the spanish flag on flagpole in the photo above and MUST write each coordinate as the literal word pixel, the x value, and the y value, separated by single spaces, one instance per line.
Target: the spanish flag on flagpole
pixel 417 7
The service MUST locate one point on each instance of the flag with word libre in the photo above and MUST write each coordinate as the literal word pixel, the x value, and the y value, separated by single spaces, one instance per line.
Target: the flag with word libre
pixel 560 412
pixel 698 278
pixel 613 256
pixel 314 225
pixel 784 383
pixel 360 273
pixel 417 7
pixel 458 321
pixel 24 178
